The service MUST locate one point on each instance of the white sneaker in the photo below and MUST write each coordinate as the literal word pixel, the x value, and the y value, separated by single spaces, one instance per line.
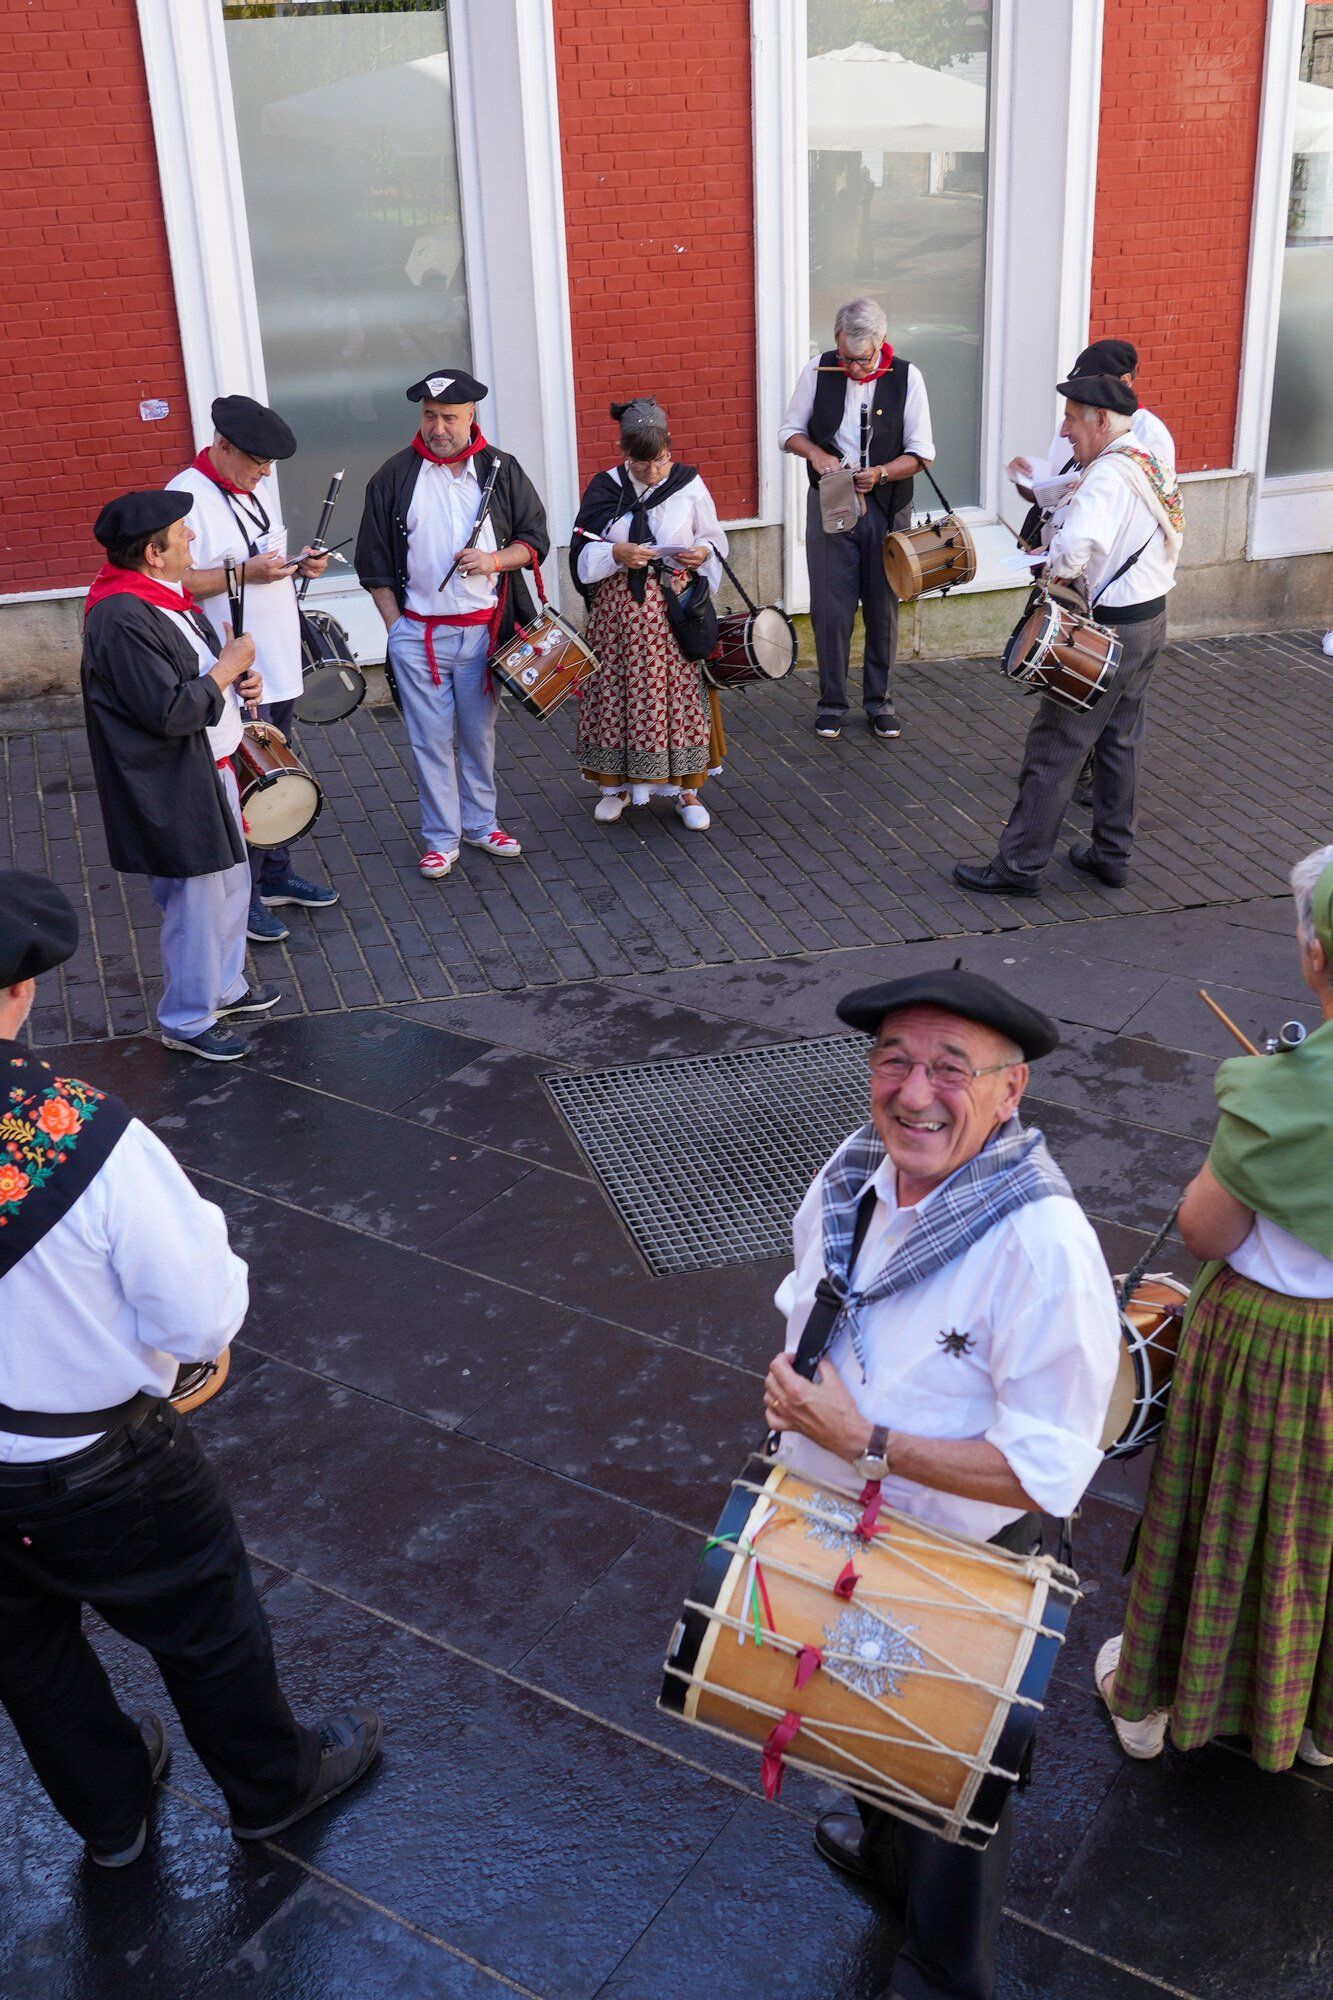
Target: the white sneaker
pixel 694 816
pixel 1144 1739
pixel 1307 1753
pixel 609 807
pixel 640 795
pixel 432 864
pixel 1328 644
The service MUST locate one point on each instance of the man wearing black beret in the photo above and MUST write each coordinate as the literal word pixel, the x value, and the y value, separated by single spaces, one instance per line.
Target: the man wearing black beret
pixel 105 1495
pixel 1117 534
pixel 1046 481
pixel 236 514
pixel 160 700
pixel 441 549
pixel 967 1371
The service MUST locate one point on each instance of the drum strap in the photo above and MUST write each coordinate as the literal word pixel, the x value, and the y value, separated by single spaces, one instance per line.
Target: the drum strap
pixel 938 490
pixel 750 604
pixel 1127 564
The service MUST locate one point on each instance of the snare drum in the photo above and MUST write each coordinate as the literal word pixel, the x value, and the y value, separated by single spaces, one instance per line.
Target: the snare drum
pixel 938 556
pixel 279 799
pixel 1065 655
pixel 908 1666
pixel 543 663
pixel 1150 1328
pixel 334 684
pixel 752 646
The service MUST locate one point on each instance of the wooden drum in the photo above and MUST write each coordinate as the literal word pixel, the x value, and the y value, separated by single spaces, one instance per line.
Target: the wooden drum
pixel 279 799
pixel 934 557
pixel 199 1381
pixel 544 662
pixel 1150 1327
pixel 908 1666
pixel 1064 655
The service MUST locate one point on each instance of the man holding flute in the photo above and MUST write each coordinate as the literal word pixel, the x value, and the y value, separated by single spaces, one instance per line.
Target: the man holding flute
pixel 236 514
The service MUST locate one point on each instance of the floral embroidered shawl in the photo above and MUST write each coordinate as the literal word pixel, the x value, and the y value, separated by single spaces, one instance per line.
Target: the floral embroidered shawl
pixel 55 1134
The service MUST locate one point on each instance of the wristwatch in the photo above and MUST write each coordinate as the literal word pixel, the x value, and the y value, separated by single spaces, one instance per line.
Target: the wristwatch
pixel 874 1460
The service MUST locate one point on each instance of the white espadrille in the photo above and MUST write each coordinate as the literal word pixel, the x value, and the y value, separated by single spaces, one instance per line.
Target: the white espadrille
pixel 1145 1739
pixel 1307 1753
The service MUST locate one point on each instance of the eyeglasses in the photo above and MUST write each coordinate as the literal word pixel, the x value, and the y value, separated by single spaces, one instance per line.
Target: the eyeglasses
pixel 892 1067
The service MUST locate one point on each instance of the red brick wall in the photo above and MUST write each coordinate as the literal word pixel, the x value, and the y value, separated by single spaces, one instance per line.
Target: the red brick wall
pixel 89 328
pixel 1181 83
pixel 658 163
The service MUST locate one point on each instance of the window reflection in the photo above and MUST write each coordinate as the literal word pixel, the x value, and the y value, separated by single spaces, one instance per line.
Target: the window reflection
pixel 897 106
pixel 344 116
pixel 1300 435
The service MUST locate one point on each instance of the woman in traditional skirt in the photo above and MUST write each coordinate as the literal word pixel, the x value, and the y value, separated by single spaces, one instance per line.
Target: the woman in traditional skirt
pixel 645 724
pixel 1229 1629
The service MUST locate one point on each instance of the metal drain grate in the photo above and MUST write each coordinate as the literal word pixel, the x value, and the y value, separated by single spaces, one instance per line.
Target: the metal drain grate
pixel 706 1160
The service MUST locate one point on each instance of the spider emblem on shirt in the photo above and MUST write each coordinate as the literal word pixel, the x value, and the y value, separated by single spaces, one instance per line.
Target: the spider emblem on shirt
pixel 954 1342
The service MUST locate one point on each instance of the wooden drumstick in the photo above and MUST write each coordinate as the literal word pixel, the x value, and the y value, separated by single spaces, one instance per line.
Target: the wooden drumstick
pixel 1227 1022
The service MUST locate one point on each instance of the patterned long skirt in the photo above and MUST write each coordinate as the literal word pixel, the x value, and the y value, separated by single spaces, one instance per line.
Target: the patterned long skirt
pixel 1230 1620
pixel 644 716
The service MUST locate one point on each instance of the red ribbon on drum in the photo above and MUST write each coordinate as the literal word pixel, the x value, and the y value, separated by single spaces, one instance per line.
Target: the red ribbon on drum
pixel 808 1662
pixel 870 1502
pixel 775 1745
pixel 847 1581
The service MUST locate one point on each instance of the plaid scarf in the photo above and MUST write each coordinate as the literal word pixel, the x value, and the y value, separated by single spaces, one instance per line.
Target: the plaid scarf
pixel 1012 1168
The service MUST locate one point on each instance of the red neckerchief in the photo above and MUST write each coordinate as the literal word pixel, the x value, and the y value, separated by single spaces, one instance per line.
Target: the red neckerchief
pixel 885 363
pixel 205 465
pixel 112 581
pixel 477 444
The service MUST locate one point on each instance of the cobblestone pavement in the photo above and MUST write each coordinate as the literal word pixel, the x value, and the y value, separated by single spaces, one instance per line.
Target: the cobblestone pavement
pixel 814 847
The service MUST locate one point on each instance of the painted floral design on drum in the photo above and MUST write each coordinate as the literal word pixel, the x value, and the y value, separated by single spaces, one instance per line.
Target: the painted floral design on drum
pixel 833 1526
pixel 881 1653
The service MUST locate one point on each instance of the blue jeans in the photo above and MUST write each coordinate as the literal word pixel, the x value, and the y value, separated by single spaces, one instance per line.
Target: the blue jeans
pixel 456 787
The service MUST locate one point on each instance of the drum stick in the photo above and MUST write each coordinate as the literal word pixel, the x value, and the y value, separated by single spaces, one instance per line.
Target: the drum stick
pixel 1227 1022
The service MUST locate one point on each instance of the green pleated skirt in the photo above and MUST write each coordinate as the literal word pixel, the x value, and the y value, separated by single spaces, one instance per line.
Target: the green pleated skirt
pixel 1230 1620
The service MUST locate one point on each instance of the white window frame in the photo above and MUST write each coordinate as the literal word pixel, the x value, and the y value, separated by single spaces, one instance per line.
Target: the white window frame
pixel 1045 106
pixel 508 137
pixel 1293 515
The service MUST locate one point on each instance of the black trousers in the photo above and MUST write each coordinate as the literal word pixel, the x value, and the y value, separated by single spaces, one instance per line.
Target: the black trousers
pixel 950 1898
pixel 846 570
pixel 139 1527
pixel 270 866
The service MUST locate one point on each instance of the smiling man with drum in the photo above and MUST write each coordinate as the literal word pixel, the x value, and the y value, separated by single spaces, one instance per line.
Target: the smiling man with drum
pixel 971 1338
pixel 161 697
pixel 1120 528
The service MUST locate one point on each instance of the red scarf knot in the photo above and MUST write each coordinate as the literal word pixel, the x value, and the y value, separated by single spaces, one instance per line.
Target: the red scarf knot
pixel 774 1746
pixel 808 1662
pixel 846 1583
pixel 112 581
pixel 203 463
pixel 885 363
pixel 470 450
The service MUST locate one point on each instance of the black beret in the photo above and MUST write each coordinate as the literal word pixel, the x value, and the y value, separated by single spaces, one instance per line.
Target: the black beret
pixel 965 993
pixel 447 385
pixel 134 514
pixel 253 429
pixel 1107 357
pixel 38 927
pixel 1100 392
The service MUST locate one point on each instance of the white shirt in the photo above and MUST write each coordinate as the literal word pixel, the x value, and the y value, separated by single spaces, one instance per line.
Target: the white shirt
pixel 136 1277
pixel 683 520
pixel 1049 481
pixel 1036 1302
pixel 1272 1256
pixel 440 518
pixel 224 734
pixel 917 435
pixel 1097 528
pixel 271 617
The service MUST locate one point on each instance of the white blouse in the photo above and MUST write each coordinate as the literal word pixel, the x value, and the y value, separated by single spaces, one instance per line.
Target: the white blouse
pixel 1272 1256
pixel 683 520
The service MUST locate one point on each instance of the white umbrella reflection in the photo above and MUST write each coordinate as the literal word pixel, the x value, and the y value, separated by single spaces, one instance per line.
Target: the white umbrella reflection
pixel 406 105
pixel 867 100
pixel 1314 119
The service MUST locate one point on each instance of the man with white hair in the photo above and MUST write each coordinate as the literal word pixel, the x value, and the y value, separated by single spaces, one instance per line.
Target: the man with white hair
pixel 1120 529
pixel 863 407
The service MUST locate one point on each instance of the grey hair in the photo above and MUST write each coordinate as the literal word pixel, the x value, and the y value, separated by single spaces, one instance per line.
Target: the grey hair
pixel 644 430
pixel 1303 879
pixel 860 320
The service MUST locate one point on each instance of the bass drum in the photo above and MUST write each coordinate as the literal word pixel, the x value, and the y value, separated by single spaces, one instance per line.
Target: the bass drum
pixel 752 646
pixel 334 684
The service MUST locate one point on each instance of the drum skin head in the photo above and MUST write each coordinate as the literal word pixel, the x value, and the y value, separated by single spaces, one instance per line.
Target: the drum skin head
pixel 330 694
pixel 282 810
pixel 772 642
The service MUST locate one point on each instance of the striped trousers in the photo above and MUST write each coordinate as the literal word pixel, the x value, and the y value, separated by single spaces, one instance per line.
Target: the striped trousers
pixel 1058 741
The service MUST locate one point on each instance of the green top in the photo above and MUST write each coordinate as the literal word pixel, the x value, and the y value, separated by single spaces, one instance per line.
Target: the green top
pixel 1274 1144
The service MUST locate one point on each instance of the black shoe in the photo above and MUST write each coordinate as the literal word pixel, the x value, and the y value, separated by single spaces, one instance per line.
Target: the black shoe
pixel 828 726
pixel 839 1836
pixel 154 1733
pixel 349 1745
pixel 991 880
pixel 885 726
pixel 212 1044
pixel 1113 873
pixel 254 1000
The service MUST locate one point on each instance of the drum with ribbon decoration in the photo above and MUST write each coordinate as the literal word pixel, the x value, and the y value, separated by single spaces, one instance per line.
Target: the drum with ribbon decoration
pixel 1151 1322
pixel 906 1664
pixel 544 662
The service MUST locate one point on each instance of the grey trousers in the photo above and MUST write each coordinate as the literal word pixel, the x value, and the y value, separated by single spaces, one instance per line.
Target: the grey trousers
pixel 1058 741
pixel 847 570
pixel 203 939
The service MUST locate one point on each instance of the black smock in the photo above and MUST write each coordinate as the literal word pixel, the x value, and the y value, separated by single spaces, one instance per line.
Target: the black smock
pixel 146 707
pixel 516 514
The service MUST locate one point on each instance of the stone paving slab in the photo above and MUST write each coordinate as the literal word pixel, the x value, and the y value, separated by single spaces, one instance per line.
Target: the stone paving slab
pixel 815 847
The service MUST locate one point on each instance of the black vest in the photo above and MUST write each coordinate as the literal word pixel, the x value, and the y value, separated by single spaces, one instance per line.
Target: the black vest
pixel 886 424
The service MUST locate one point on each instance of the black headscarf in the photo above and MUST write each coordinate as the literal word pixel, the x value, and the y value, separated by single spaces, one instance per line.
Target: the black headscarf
pixel 608 496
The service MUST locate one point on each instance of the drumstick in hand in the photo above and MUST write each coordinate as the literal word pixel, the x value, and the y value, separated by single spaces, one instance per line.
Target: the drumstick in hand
pixel 1227 1022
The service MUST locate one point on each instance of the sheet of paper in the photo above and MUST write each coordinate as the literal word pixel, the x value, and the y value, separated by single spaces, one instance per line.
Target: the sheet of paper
pixel 1020 560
